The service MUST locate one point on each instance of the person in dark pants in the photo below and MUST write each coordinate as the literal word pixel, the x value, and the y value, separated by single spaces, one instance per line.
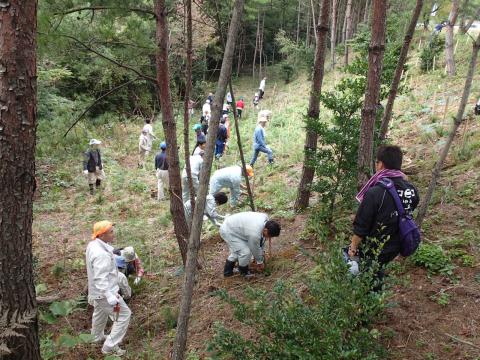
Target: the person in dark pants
pixel 93 167
pixel 222 136
pixel 376 236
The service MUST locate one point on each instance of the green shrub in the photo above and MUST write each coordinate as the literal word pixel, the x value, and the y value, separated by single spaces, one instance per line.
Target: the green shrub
pixel 433 258
pixel 431 51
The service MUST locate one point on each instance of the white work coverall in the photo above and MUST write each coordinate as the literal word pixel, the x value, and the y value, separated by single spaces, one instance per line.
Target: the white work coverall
pixel 196 162
pixel 229 177
pixel 125 288
pixel 210 210
pixel 103 287
pixel 207 111
pixel 150 135
pixel 243 233
pixel 143 149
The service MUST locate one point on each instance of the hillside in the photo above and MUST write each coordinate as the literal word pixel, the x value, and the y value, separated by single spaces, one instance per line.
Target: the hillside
pixel 430 314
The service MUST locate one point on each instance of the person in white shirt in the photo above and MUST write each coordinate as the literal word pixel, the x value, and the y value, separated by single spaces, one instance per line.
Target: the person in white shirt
pixel 261 88
pixel 196 162
pixel 150 135
pixel 144 148
pixel 103 290
pixel 207 110
pixel 210 210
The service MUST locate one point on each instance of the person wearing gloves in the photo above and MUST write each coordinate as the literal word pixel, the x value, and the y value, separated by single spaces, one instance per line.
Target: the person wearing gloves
pixel 231 178
pixel 103 289
pixel 196 162
pixel 212 201
pixel 161 171
pixel 144 148
pixel 128 263
pixel 259 144
pixel 245 234
pixel 93 167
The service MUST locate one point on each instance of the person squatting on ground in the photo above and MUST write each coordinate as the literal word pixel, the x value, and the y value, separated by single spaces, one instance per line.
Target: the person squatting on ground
pixel 376 234
pixel 161 171
pixel 222 137
pixel 240 105
pixel 129 263
pixel 230 178
pixel 144 148
pixel 212 201
pixel 93 167
pixel 196 162
pixel 103 288
pixel 245 234
pixel 259 144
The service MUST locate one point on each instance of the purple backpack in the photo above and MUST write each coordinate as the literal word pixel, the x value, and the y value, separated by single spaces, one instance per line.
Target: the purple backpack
pixel 409 232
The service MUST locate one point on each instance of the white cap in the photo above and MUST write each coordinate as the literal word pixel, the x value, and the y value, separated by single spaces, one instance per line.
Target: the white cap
pixel 208 101
pixel 94 142
pixel 128 253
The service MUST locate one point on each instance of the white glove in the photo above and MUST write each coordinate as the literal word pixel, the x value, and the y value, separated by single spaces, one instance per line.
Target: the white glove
pixel 85 172
pixel 112 300
pixel 137 280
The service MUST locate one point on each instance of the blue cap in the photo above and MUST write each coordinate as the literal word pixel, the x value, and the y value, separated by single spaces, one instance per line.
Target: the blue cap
pixel 197 127
pixel 120 260
pixel 163 145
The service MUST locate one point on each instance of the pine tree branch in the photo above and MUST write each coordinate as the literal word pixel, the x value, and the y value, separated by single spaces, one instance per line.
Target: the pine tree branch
pixel 127 67
pixel 97 8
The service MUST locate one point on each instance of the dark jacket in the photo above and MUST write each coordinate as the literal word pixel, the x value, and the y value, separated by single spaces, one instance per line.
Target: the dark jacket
pixel 92 160
pixel 376 220
pixel 222 134
pixel 161 161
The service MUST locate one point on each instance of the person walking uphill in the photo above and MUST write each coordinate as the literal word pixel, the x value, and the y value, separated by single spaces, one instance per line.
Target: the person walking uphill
pixel 259 144
pixel 103 288
pixel 245 234
pixel 261 88
pixel 376 234
pixel 92 166
pixel 229 177
pixel 144 148
pixel 161 171
pixel 222 137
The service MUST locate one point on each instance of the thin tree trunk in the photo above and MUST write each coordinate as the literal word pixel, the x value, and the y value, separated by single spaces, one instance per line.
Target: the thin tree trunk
pixel 298 21
pixel 307 37
pixel 372 92
pixel 188 90
pixel 348 28
pixel 308 171
pixel 387 115
pixel 463 15
pixel 333 32
pixel 367 12
pixel 170 129
pixel 194 241
pixel 468 25
pixel 456 124
pixel 449 55
pixel 256 43
pixel 314 21
pixel 261 72
pixel 18 121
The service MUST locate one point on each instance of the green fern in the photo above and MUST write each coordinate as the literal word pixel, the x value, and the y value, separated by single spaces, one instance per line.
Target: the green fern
pixel 10 328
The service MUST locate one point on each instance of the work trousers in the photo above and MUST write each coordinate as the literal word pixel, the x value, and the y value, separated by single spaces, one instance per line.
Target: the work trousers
pixel 141 157
pixel 186 188
pixel 264 149
pixel 92 177
pixel 102 311
pixel 239 250
pixel 162 182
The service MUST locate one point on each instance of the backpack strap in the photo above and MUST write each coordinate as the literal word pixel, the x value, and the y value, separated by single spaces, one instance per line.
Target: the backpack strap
pixel 388 184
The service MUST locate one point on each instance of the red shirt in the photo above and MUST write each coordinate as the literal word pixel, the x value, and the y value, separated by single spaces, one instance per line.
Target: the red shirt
pixel 240 104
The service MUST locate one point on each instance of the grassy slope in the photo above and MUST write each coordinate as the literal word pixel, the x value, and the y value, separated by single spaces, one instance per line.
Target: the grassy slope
pixel 64 213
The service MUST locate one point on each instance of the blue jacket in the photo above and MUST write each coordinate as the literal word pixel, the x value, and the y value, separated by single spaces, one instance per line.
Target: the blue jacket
pixel 259 137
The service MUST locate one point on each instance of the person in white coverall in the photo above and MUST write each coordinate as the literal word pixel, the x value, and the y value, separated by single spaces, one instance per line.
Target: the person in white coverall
pixel 231 178
pixel 103 290
pixel 245 234
pixel 196 162
pixel 210 210
pixel 144 148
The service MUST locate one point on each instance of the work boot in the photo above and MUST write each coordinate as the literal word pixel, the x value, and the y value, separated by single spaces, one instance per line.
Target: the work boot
pixel 92 189
pixel 98 183
pixel 245 272
pixel 116 351
pixel 228 269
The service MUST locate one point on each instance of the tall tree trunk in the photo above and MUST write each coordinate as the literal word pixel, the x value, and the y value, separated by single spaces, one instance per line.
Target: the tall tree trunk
pixel 449 56
pixel 188 90
pixel 308 171
pixel 333 32
pixel 348 28
pixel 170 129
pixel 18 121
pixel 194 241
pixel 367 12
pixel 456 124
pixel 314 21
pixel 468 25
pixel 387 115
pixel 257 38
pixel 463 15
pixel 298 21
pixel 307 37
pixel 372 92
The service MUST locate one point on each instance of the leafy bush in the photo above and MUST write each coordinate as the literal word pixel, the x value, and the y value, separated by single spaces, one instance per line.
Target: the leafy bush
pixel 328 320
pixel 431 51
pixel 295 56
pixel 433 258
